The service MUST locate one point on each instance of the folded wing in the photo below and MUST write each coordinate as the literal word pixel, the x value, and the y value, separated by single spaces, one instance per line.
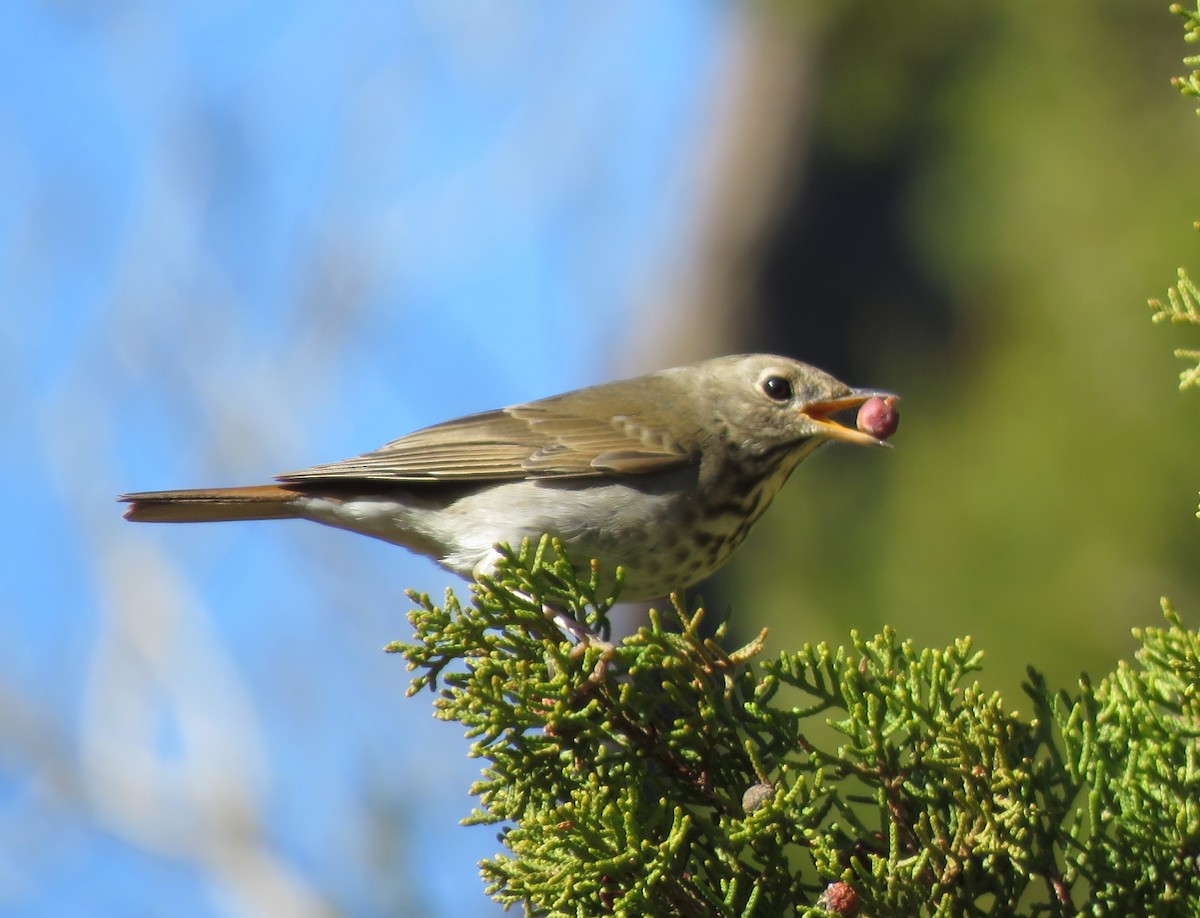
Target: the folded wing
pixel 576 435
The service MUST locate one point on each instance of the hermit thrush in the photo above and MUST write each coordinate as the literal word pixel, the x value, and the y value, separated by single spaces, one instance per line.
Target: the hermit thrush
pixel 663 474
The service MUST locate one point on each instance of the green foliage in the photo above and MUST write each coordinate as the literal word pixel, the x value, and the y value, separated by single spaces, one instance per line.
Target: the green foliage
pixel 1181 307
pixel 1189 84
pixel 1130 750
pixel 663 775
pixel 1182 299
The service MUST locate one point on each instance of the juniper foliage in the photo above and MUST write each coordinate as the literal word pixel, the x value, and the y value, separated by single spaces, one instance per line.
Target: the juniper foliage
pixel 1183 297
pixel 1181 307
pixel 664 775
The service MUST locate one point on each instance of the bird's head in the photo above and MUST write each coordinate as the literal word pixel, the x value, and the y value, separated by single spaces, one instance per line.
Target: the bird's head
pixel 767 402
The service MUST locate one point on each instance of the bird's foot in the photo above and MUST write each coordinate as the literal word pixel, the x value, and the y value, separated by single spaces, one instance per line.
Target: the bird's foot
pixel 585 637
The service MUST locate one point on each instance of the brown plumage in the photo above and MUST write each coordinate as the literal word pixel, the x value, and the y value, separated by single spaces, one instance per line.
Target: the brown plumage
pixel 663 474
pixel 210 505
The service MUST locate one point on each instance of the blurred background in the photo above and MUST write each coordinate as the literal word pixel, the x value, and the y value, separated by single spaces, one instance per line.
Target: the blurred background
pixel 242 238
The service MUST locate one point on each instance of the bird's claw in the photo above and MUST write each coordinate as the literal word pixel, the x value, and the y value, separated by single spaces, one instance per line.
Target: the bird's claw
pixel 585 637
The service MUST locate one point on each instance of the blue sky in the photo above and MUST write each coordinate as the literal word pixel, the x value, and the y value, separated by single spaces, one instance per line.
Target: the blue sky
pixel 237 239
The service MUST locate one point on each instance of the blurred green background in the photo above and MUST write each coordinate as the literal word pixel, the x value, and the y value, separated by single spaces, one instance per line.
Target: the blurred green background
pixel 1015 183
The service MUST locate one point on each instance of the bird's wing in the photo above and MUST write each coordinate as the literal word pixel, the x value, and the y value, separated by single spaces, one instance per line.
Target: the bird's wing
pixel 568 436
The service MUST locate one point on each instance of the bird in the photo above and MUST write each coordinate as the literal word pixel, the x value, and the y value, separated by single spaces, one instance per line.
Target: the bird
pixel 662 475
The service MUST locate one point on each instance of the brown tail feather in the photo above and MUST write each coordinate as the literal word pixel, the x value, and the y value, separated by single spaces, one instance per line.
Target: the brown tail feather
pixel 210 505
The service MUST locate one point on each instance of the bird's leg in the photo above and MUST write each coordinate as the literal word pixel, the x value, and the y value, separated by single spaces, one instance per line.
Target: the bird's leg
pixel 585 637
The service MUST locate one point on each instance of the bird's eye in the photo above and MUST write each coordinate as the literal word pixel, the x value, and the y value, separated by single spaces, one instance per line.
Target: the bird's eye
pixel 777 388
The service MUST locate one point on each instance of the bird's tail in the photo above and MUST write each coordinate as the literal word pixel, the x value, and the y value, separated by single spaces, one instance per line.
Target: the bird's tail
pixel 210 505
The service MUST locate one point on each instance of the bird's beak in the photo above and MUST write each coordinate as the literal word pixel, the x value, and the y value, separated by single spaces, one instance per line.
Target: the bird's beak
pixel 820 412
